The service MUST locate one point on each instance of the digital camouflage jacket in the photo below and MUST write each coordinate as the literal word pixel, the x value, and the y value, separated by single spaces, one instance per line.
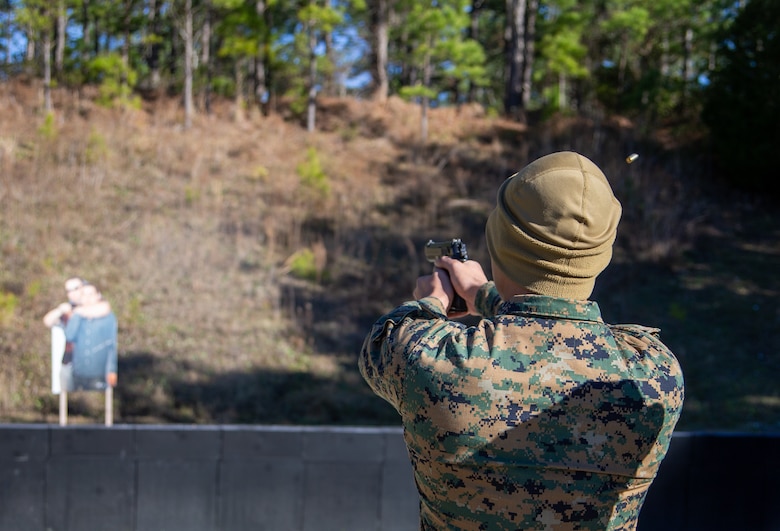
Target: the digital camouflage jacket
pixel 540 417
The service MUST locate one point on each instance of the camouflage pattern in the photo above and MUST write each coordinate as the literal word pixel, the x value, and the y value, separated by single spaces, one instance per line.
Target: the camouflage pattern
pixel 540 417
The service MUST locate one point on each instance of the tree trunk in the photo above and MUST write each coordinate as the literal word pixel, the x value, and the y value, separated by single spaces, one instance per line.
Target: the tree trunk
pixel 126 47
pixel 476 7
pixel 96 35
pixel 153 49
pixel 47 45
pixel 528 51
pixel 261 85
pixel 664 57
pixel 5 29
pixel 622 67
pixel 86 42
pixel 513 103
pixel 29 54
pixel 205 56
pixel 62 21
pixel 562 101
pixel 687 59
pixel 238 114
pixel 380 26
pixel 330 81
pixel 312 103
pixel 427 69
pixel 188 52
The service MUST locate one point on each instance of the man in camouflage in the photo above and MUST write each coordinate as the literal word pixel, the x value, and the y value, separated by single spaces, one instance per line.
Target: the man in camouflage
pixel 541 416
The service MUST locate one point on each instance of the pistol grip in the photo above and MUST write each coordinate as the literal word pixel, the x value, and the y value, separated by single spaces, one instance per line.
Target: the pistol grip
pixel 458 304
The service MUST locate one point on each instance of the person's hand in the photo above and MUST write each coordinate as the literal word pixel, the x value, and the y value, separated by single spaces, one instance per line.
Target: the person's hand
pixel 465 278
pixel 54 316
pixel 438 285
pixel 111 379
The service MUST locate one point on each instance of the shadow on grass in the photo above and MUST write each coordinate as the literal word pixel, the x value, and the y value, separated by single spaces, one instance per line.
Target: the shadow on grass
pixel 717 309
pixel 716 306
pixel 156 391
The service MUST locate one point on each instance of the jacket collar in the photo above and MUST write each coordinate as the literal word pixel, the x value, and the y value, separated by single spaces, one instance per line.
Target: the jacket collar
pixel 552 307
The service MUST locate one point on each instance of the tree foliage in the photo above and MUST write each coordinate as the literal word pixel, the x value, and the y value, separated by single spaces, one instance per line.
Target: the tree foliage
pixel 439 61
pixel 562 50
pixel 642 58
pixel 743 100
pixel 115 79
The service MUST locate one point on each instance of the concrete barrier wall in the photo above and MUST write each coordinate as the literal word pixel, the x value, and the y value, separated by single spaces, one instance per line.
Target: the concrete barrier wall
pixel 158 478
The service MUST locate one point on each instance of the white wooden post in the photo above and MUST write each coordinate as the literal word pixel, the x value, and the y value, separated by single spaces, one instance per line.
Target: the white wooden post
pixel 109 406
pixel 63 408
pixel 57 387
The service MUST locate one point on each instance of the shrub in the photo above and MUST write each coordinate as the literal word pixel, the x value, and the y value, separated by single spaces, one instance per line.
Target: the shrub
pixel 302 265
pixel 312 175
pixel 8 303
pixel 48 129
pixel 116 80
pixel 96 148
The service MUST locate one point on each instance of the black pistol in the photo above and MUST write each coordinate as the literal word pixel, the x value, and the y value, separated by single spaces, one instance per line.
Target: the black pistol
pixel 456 249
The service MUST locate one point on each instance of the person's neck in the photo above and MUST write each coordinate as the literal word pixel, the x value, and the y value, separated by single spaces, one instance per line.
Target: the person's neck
pixel 509 290
pixel 517 293
pixel 507 287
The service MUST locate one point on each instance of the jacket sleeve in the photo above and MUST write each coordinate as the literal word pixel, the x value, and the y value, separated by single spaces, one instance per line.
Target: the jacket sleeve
pixel 488 300
pixel 390 346
pixel 72 328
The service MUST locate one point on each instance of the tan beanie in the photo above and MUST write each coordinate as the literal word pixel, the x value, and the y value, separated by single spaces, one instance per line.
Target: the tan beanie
pixel 554 225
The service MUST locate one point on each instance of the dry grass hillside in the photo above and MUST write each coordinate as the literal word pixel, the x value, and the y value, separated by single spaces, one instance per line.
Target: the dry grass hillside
pixel 245 260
